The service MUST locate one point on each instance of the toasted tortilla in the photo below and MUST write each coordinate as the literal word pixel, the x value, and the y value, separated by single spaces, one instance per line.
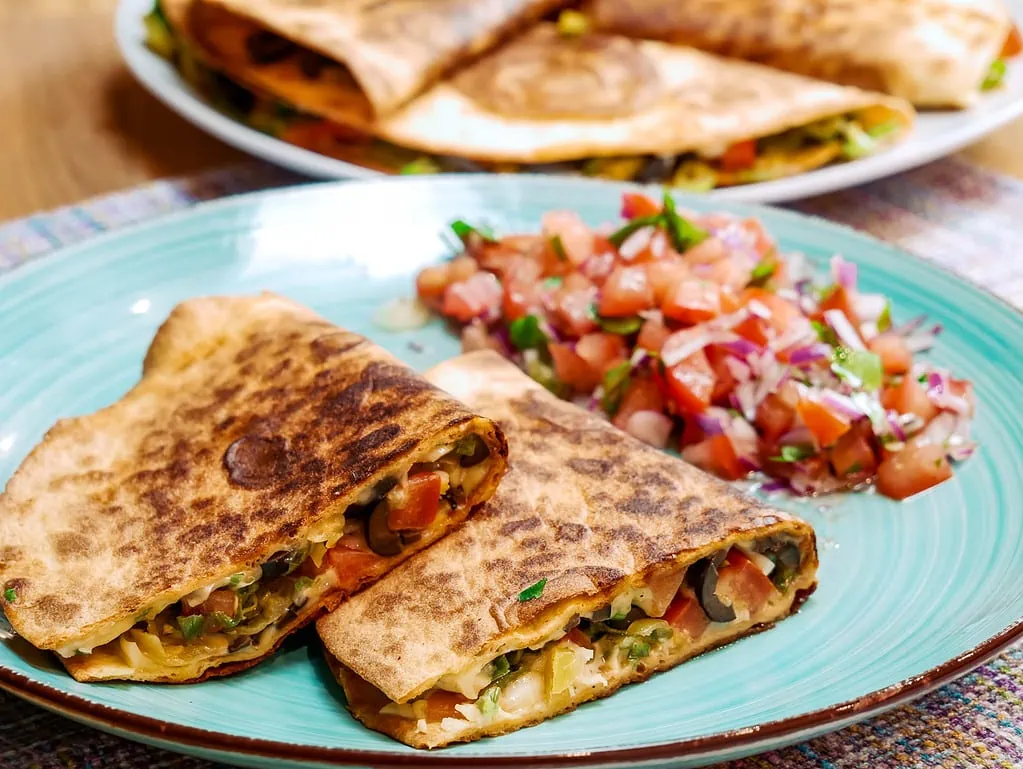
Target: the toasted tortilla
pixel 391 50
pixel 934 53
pixel 255 425
pixel 585 507
pixel 547 98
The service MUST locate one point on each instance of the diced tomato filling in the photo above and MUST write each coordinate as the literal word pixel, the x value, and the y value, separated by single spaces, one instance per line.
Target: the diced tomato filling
pixel 724 380
pixel 1013 44
pixel 441 704
pixel 665 275
pixel 740 580
pixel 423 502
pixel 739 156
pixel 579 638
pixel 853 453
pixel 351 565
pixel 774 417
pixel 572 312
pixel 909 397
pixel 572 370
pixel 642 395
pixel 782 315
pixel 472 298
pixel 687 615
pixel 716 455
pixel 912 470
pixel 842 299
pixel 601 351
pixel 652 335
pixel 896 357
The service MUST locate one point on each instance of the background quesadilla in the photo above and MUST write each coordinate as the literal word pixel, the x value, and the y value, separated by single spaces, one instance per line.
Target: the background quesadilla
pixel 598 562
pixel 595 104
pixel 267 464
pixel 938 53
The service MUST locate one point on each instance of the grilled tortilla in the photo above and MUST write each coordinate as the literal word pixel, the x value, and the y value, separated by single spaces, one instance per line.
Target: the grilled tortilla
pixel 267 464
pixel 598 562
pixel 935 53
pixel 382 53
pixel 599 105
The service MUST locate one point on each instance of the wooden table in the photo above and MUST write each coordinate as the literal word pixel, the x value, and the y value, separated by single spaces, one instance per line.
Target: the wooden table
pixel 76 124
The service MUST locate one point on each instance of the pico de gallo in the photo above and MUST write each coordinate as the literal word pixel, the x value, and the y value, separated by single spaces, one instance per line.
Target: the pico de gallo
pixel 697 332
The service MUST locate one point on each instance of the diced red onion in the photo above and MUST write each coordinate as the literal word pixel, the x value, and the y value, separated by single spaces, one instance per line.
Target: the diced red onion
pixel 639 357
pixel 651 427
pixel 636 243
pixel 773 486
pixel 655 315
pixel 893 424
pixel 797 436
pixel 870 307
pixel 919 342
pixel 690 341
pixel 746 399
pixel 844 272
pixel 844 329
pixel 709 424
pixel 797 335
pixel 738 369
pixel 804 287
pixel 810 354
pixel 909 326
pixel 841 404
pixel 938 430
pixel 741 347
pixel 758 308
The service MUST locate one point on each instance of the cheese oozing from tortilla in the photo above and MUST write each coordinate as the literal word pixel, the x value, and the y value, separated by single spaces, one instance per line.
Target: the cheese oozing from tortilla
pixel 602 648
pixel 288 588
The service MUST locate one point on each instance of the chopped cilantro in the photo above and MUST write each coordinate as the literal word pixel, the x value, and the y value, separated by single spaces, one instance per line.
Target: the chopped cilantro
pixel 533 591
pixel 884 321
pixel 922 379
pixel 526 334
pixel 10 595
pixel 621 235
pixel 623 326
pixel 615 382
pixel 858 367
pixel 236 579
pixel 499 668
pixel 825 333
pixel 995 75
pixel 191 627
pixel 487 702
pixel 553 282
pixel 763 272
pixel 683 233
pixel 638 650
pixel 423 165
pixel 463 230
pixel 795 453
pixel 559 248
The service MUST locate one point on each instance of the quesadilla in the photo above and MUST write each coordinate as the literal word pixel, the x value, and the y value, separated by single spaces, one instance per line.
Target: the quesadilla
pixel 939 53
pixel 592 104
pixel 598 562
pixel 267 464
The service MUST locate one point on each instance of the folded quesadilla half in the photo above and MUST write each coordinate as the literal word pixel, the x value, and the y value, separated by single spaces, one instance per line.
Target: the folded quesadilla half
pixel 937 53
pixel 598 562
pixel 592 104
pixel 267 464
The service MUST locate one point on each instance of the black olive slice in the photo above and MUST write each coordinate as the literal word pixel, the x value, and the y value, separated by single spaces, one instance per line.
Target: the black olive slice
pixel 382 540
pixel 705 576
pixel 265 47
pixel 657 169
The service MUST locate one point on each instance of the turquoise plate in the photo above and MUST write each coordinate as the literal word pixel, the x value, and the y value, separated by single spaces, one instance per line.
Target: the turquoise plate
pixel 910 594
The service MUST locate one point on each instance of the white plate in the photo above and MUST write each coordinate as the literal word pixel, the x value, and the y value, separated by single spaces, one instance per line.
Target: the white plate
pixel 936 134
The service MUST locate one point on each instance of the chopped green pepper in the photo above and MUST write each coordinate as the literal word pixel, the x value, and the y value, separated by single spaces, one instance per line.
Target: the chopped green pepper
pixel 423 165
pixel 615 382
pixel 623 326
pixel 795 453
pixel 526 334
pixel 533 591
pixel 10 595
pixel 463 230
pixel 192 626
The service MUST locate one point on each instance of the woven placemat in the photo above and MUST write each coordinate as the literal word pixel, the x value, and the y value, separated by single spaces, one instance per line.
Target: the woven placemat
pixel 951 212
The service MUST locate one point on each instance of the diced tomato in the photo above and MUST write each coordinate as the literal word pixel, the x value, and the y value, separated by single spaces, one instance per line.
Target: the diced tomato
pixel 1013 44
pixel 664 275
pixel 579 638
pixel 462 267
pixel 853 454
pixel 687 615
pixel 652 335
pixel 729 299
pixel 223 601
pixel 774 417
pixel 441 704
pixel 421 508
pixel 739 156
pixel 601 351
pixel 496 257
pixel 662 587
pixel 724 380
pixel 692 302
pixel 895 354
pixel 641 395
pixel 826 425
pixel 741 580
pixel 692 433
pixel 708 251
pixel 842 299
pixel 909 397
pixel 635 204
pixel 763 243
pixel 431 282
pixel 573 370
pixel 472 298
pixel 522 291
pixel 351 565
pixel 716 455
pixel 626 292
pixel 912 470
pixel 783 316
pixel 691 382
pixel 602 262
pixel 572 311
pixel 576 238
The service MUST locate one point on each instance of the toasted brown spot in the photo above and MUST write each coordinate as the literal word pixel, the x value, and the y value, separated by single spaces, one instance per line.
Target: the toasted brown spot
pixel 57 608
pixel 256 463
pixel 68 544
pixel 523 524
pixel 593 468
pixel 571 532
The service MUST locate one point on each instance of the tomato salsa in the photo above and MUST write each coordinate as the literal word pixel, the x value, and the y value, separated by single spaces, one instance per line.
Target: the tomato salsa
pixel 698 332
